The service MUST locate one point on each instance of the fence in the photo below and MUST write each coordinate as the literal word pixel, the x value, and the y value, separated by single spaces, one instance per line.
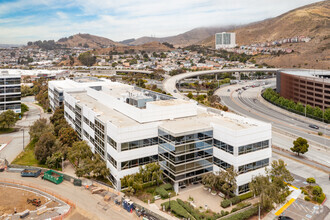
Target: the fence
pixel 150 212
pixel 44 190
pixel 75 181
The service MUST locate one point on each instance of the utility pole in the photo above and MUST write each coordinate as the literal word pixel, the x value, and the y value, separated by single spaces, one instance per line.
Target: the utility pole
pixel 23 138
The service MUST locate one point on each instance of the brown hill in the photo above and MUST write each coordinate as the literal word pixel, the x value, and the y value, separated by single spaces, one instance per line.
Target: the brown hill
pixel 190 37
pixel 87 40
pixel 148 47
pixel 312 21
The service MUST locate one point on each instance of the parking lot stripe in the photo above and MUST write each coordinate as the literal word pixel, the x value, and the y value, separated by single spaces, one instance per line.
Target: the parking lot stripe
pixel 284 207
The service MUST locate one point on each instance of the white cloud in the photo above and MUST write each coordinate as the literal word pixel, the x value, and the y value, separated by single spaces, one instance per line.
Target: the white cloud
pixel 122 19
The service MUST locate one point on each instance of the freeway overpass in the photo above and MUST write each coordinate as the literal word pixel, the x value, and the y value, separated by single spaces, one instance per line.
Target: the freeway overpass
pixel 169 84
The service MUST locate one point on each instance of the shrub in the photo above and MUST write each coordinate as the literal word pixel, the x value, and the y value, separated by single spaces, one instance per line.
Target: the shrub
pixel 304 191
pixel 177 209
pixel 320 198
pixel 189 209
pixel 243 215
pixel 320 133
pixel 307 198
pixel 310 180
pixel 246 196
pixel 235 200
pixel 167 186
pixel 317 191
pixel 162 192
pixel 225 203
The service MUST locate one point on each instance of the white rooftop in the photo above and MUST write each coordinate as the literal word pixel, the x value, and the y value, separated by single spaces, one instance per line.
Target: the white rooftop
pixel 308 73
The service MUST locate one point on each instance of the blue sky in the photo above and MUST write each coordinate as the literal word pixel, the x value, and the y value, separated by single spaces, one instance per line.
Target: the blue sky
pixel 30 20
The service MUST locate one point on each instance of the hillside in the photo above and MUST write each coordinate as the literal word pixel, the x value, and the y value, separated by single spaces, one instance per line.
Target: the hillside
pixel 148 47
pixel 92 41
pixel 311 21
pixel 190 37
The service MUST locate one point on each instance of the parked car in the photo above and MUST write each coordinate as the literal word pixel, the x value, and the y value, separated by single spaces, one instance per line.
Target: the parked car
pixel 284 218
pixel 313 126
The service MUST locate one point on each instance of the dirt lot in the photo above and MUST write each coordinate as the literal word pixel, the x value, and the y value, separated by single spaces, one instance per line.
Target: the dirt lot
pixel 11 198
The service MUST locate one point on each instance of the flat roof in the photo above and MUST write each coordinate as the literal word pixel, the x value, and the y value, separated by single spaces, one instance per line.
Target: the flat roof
pixel 104 112
pixel 308 73
pixel 203 122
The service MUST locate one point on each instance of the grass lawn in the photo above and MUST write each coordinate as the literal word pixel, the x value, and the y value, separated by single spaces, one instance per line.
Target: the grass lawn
pixel 27 158
pixel 6 130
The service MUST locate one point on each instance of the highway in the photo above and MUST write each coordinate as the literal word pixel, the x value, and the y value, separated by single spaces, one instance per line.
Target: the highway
pixel 286 127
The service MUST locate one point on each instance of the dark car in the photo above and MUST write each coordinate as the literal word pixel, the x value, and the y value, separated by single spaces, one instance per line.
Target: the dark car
pixel 284 218
pixel 313 126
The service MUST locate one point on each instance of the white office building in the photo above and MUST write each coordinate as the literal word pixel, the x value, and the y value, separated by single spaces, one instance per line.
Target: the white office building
pixel 130 127
pixel 225 40
pixel 10 91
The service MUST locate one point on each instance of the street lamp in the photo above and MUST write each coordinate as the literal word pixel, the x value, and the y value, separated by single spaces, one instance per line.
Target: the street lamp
pixel 169 201
pixel 23 138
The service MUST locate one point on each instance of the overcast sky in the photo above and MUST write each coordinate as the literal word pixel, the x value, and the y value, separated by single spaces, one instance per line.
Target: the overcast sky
pixel 30 20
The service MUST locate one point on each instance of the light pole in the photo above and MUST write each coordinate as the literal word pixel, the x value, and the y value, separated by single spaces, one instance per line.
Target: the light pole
pixel 169 201
pixel 23 138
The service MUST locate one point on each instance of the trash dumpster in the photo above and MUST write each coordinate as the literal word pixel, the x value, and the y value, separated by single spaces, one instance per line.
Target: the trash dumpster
pixel 53 176
pixel 31 172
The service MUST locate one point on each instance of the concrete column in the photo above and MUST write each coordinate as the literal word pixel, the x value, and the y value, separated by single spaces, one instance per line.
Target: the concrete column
pixel 216 76
pixel 176 187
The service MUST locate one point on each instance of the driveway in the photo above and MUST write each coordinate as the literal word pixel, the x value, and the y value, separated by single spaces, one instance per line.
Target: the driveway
pixel 14 141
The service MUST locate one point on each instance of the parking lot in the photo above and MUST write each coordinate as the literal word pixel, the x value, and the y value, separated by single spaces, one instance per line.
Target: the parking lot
pixel 304 210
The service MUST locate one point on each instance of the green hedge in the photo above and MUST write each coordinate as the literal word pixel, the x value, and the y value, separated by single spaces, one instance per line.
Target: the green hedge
pixel 177 209
pixel 190 209
pixel 243 215
pixel 226 203
pixel 298 108
pixel 162 192
pixel 246 196
pixel 167 186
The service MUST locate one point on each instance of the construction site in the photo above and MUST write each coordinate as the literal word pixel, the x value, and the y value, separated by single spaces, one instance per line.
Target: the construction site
pixel 18 201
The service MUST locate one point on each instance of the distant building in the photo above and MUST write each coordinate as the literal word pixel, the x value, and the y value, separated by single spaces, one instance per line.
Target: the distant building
pixel 225 40
pixel 10 92
pixel 309 87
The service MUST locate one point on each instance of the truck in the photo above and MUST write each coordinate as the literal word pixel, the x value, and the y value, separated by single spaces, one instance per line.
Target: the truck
pixel 53 176
pixel 31 172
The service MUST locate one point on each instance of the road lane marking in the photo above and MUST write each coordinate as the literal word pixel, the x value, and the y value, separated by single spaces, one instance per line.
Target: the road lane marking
pixel 286 205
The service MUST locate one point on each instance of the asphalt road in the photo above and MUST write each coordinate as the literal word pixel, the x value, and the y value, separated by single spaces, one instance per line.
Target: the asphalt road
pixel 15 140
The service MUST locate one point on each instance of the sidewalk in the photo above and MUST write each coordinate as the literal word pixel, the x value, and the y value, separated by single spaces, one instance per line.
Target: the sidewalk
pixel 153 207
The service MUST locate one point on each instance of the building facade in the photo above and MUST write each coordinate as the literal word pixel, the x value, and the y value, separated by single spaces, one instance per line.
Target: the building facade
pixel 129 127
pixel 310 87
pixel 10 92
pixel 225 40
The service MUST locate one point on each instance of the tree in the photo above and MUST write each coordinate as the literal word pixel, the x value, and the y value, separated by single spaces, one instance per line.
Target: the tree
pixel 54 161
pixel 229 180
pixel 58 114
pixel 44 147
pixel 38 128
pixel 79 151
pixel 279 170
pixel 271 188
pixel 300 146
pixel 87 59
pixel 190 95
pixel 67 136
pixel 99 167
pixel 7 119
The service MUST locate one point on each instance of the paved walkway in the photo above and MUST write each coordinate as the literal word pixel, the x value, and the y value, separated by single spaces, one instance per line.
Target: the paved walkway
pixel 290 199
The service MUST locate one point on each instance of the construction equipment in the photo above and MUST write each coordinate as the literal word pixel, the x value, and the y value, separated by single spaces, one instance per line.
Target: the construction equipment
pixel 35 202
